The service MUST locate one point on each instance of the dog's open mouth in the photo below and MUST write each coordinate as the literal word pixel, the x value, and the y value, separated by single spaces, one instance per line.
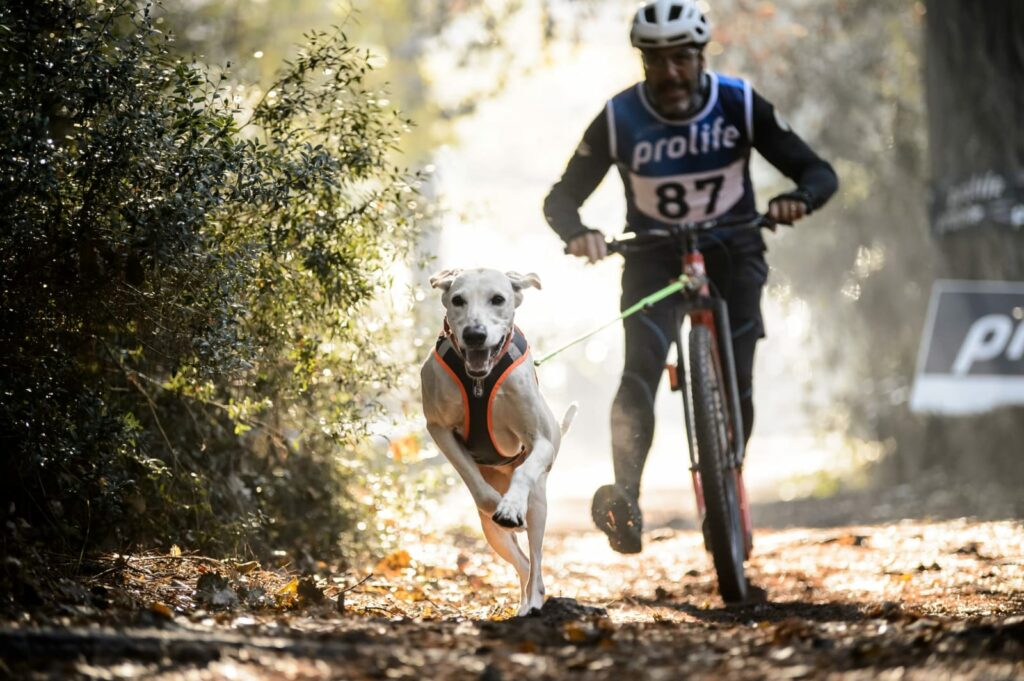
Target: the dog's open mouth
pixel 479 362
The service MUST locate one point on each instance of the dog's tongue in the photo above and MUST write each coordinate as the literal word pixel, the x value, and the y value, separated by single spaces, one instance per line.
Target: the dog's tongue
pixel 476 360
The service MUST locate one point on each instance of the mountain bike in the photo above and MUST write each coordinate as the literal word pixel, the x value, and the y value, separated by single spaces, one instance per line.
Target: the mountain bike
pixel 711 404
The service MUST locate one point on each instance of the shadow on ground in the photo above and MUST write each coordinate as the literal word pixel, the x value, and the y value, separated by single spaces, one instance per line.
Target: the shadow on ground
pixel 935 498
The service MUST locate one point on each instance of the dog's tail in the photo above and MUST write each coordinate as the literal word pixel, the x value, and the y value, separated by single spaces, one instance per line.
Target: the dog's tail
pixel 570 414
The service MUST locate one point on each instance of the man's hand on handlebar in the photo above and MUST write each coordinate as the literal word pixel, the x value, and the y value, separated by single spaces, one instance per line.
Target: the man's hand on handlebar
pixel 589 245
pixel 787 209
pixel 593 246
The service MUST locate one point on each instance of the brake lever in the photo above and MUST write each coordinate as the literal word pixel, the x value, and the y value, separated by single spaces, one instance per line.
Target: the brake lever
pixel 772 224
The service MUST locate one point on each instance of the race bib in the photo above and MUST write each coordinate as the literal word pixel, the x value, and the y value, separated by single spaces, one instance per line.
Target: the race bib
pixel 689 197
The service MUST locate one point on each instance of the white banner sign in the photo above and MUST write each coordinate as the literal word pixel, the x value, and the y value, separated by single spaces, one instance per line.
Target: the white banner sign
pixel 971 357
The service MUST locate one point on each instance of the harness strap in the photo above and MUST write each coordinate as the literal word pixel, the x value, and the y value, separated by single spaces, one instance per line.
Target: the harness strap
pixel 478 428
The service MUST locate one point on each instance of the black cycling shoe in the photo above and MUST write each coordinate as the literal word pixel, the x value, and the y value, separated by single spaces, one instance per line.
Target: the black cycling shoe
pixel 618 515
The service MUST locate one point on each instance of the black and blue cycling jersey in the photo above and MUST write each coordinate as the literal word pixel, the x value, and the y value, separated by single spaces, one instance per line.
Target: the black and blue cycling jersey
pixel 686 170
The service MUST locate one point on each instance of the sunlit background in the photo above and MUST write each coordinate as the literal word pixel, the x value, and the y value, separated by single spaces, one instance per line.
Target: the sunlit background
pixel 225 213
pixel 491 179
pixel 499 95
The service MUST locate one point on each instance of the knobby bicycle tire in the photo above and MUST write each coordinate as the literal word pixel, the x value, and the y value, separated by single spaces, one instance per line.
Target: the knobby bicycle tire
pixel 724 524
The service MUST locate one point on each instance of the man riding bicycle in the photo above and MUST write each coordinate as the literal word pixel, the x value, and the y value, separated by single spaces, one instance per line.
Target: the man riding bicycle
pixel 681 140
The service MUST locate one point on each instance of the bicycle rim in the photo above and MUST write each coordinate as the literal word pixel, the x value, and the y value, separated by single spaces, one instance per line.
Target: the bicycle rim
pixel 724 528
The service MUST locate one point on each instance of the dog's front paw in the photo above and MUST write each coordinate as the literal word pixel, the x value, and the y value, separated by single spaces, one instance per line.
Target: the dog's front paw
pixel 510 513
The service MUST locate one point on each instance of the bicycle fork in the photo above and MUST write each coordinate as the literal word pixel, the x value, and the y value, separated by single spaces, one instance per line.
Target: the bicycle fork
pixel 738 449
pixel 712 312
pixel 679 381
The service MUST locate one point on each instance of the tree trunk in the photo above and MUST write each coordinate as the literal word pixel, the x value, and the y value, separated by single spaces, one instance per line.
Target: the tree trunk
pixel 974 75
pixel 974 71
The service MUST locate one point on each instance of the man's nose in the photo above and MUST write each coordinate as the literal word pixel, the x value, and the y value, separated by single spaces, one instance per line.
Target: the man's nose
pixel 670 70
pixel 474 336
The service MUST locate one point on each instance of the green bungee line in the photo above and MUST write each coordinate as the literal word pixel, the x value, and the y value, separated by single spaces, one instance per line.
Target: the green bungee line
pixel 677 285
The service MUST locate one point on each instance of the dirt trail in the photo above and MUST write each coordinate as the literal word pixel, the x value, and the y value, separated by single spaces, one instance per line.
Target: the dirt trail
pixel 914 600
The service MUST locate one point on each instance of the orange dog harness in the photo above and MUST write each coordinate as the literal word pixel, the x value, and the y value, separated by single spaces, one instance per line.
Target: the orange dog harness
pixel 478 395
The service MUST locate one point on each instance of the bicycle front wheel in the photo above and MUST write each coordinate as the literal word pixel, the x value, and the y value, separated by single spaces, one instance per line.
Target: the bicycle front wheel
pixel 724 525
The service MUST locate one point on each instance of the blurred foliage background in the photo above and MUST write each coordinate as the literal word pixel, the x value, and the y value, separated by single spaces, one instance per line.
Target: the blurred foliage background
pixel 205 199
pixel 205 204
pixel 851 75
pixel 188 261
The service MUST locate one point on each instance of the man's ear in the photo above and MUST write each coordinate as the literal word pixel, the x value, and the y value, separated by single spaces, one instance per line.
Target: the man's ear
pixel 443 279
pixel 521 281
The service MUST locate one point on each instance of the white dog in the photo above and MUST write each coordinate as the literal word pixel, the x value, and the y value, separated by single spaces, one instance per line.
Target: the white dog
pixel 485 412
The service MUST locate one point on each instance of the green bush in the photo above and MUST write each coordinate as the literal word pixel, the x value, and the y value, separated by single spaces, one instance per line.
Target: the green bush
pixel 184 279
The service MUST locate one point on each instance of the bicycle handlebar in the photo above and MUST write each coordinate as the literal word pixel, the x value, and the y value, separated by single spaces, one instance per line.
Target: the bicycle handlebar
pixel 639 241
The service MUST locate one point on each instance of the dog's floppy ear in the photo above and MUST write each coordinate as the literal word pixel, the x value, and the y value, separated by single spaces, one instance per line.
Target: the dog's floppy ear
pixel 521 281
pixel 443 279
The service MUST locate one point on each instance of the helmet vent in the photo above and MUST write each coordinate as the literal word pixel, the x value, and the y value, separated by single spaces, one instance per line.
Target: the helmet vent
pixel 667 23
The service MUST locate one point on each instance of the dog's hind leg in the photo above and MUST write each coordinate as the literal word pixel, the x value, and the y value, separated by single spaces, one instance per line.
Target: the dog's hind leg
pixel 505 545
pixel 536 518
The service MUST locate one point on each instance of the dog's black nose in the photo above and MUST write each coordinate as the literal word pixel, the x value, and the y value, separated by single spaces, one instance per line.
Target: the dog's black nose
pixel 474 336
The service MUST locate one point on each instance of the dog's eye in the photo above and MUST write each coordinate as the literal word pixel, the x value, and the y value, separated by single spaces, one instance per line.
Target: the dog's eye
pixel 458 301
pixel 498 300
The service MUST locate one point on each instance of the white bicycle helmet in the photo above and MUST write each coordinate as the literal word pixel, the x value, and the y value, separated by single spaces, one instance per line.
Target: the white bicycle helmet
pixel 667 23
